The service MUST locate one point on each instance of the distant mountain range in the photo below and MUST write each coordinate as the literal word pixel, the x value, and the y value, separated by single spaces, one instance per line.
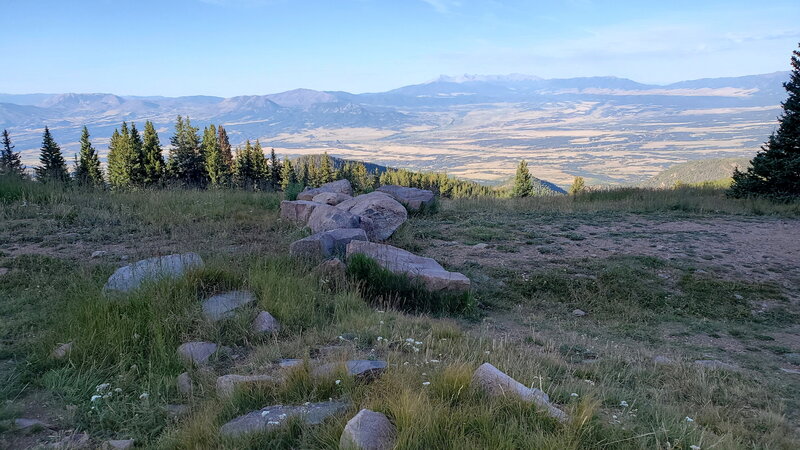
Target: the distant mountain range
pixel 452 123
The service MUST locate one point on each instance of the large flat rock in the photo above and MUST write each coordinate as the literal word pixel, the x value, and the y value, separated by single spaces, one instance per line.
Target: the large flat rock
pixel 495 383
pixel 223 305
pixel 326 244
pixel 425 270
pixel 327 218
pixel 335 187
pixel 331 198
pixel 274 416
pixel 132 276
pixel 297 211
pixel 381 215
pixel 413 199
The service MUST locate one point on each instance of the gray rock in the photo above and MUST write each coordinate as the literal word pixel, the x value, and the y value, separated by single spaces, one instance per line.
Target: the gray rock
pixel 62 350
pixel 364 369
pixel 99 254
pixel 495 383
pixel 662 361
pixel 425 270
pixel 368 430
pixel 197 353
pixel 274 416
pixel 223 305
pixel 132 276
pixel 579 313
pixel 74 441
pixel 715 364
pixel 290 363
pixel 327 243
pixel 265 323
pixel 791 371
pixel 333 268
pixel 184 384
pixel 227 384
pixel 297 211
pixel 119 444
pixel 336 187
pixel 413 199
pixel 331 198
pixel 176 411
pixel 381 215
pixel 481 246
pixel 3 271
pixel 327 218
pixel 26 424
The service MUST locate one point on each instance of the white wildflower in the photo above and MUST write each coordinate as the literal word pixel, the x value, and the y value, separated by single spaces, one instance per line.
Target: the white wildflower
pixel 272 422
pixel 427 383
pixel 410 340
pixel 689 419
pixel 102 387
pixel 416 349
pixel 380 338
pixel 96 397
pixel 381 322
pixel 144 396
pixel 623 404
pixel 487 352
pixel 590 382
pixel 573 394
pixel 434 360
pixel 118 390
pixel 418 343
pixel 338 382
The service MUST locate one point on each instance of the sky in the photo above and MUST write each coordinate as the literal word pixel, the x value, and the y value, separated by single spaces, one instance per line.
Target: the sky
pixel 242 47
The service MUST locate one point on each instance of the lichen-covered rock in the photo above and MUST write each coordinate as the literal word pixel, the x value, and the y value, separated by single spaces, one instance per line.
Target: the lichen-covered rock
pixel 380 214
pixel 325 244
pixel 412 198
pixel 337 187
pixel 184 384
pixel 221 306
pixel 274 416
pixel 265 323
pixel 331 198
pixel 297 211
pixel 427 271
pixel 132 276
pixel 227 384
pixel 119 444
pixel 495 383
pixel 327 218
pixel 197 353
pixel 368 430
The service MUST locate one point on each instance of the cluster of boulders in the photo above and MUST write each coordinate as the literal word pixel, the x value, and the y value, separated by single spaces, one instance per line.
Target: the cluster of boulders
pixel 344 225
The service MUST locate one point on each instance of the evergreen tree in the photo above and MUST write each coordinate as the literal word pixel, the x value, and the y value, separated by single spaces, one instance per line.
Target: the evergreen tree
pixel 274 170
pixel 53 167
pixel 152 159
pixel 523 186
pixel 216 164
pixel 261 165
pixel 121 158
pixel 326 171
pixel 775 170
pixel 137 169
pixel 225 146
pixel 186 163
pixel 10 162
pixel 87 167
pixel 287 174
pixel 578 186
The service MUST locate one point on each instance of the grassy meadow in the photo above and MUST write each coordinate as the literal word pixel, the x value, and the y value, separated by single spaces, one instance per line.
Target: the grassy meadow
pixel 598 368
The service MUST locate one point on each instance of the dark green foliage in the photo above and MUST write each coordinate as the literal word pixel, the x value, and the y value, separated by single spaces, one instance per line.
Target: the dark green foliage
pixel 251 170
pixel 326 172
pixel 125 158
pixel 383 287
pixel 10 162
pixel 274 170
pixel 288 176
pixel 87 168
pixel 358 175
pixel 137 156
pixel 225 146
pixel 186 165
pixel 523 186
pixel 775 170
pixel 440 183
pixel 153 160
pixel 53 167
pixel 217 166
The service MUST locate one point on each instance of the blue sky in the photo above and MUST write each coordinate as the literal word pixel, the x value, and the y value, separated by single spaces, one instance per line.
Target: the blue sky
pixel 235 47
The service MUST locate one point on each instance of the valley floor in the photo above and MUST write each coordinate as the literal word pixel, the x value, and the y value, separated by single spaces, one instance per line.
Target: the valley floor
pixel 665 279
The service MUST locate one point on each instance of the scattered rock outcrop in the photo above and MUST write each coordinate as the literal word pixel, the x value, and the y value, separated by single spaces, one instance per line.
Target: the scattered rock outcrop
pixel 132 276
pixel 227 384
pixel 380 214
pixel 265 323
pixel 426 270
pixel 223 305
pixel 495 383
pixel 26 424
pixel 331 198
pixel 412 198
pixel 336 187
pixel 368 430
pixel 327 243
pixel 274 416
pixel 297 211
pixel 326 218
pixel 197 353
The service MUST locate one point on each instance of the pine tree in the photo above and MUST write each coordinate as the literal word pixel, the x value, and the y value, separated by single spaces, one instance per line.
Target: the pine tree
pixel 775 170
pixel 186 163
pixel 578 186
pixel 152 159
pixel 53 167
pixel 225 146
pixel 287 174
pixel 523 186
pixel 87 166
pixel 216 164
pixel 326 171
pixel 260 165
pixel 274 170
pixel 137 170
pixel 121 158
pixel 10 162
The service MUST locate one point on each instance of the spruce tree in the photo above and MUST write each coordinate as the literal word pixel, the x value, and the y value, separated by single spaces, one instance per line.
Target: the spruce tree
pixel 53 167
pixel 578 186
pixel 137 171
pixel 216 165
pixel 287 174
pixel 186 163
pixel 523 186
pixel 775 170
pixel 153 160
pixel 326 170
pixel 225 146
pixel 121 158
pixel 87 166
pixel 10 162
pixel 274 170
pixel 260 165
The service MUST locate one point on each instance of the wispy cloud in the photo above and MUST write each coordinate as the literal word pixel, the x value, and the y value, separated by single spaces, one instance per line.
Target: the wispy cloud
pixel 443 6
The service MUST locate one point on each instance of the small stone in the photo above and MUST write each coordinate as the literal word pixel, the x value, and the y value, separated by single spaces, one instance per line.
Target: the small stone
pixel 119 444
pixel 290 363
pixel 495 383
pixel 132 276
pixel 274 416
pixel 481 246
pixel 227 384
pixel 176 411
pixel 368 430
pixel 3 271
pixel 222 306
pixel 715 364
pixel 579 313
pixel 265 323
pixel 662 360
pixel 26 424
pixel 62 350
pixel 197 353
pixel 185 385
pixel 99 254
pixel 332 268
